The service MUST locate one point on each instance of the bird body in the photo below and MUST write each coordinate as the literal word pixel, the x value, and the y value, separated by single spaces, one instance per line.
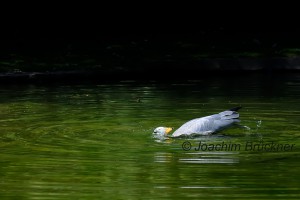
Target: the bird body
pixel 204 125
pixel 208 125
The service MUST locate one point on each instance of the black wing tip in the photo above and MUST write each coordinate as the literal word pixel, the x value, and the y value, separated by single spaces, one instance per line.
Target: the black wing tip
pixel 235 108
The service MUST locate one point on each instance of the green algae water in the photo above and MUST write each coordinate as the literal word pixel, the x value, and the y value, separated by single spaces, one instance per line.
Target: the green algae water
pixel 94 141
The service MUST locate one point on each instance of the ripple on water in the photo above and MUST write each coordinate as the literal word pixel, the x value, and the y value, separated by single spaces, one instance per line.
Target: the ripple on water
pixel 211 157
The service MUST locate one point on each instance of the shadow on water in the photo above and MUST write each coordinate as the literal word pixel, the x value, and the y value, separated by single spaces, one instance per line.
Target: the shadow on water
pixel 94 140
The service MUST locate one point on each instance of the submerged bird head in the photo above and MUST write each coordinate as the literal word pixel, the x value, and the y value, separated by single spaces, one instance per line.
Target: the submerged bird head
pixel 162 131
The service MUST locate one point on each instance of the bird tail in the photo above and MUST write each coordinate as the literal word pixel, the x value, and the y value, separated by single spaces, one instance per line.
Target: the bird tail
pixel 235 108
pixel 231 113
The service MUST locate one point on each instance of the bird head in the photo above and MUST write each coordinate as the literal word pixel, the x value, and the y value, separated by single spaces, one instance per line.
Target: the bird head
pixel 162 131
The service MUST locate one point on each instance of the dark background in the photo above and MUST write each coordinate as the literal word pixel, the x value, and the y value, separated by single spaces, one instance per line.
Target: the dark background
pixel 112 45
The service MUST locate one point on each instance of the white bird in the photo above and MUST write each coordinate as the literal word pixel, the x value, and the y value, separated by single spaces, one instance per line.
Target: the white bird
pixel 204 125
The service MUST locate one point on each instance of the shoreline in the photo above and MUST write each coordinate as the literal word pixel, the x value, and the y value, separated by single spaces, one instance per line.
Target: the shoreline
pixel 176 69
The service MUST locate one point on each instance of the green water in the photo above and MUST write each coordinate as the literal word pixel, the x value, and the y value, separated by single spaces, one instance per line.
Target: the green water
pixel 93 141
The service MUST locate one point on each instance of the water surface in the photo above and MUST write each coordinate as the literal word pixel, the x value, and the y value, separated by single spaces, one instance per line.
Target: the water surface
pixel 93 141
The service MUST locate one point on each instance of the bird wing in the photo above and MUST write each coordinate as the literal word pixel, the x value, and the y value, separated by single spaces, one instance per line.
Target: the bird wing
pixel 209 124
pixel 199 125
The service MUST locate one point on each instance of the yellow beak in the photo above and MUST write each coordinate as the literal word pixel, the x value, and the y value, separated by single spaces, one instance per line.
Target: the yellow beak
pixel 168 130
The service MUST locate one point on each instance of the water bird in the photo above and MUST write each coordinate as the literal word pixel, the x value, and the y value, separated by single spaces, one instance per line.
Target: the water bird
pixel 204 125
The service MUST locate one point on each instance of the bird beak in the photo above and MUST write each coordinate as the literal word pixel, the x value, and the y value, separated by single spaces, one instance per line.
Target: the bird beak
pixel 168 130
